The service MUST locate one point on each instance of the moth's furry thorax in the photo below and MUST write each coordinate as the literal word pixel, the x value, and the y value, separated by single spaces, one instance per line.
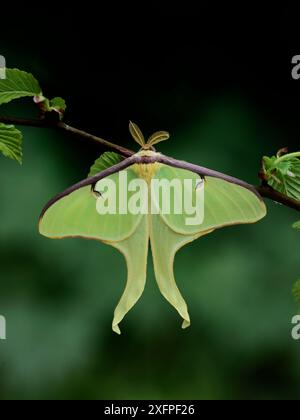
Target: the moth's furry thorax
pixel 146 170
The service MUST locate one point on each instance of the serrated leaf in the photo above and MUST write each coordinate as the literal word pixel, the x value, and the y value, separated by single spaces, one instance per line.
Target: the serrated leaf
pixel 296 225
pixel 283 174
pixel 58 103
pixel 105 161
pixel 18 84
pixel 296 291
pixel 136 133
pixel 11 142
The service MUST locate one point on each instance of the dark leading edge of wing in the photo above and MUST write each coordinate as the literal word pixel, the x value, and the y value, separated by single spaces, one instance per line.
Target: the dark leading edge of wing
pixel 200 170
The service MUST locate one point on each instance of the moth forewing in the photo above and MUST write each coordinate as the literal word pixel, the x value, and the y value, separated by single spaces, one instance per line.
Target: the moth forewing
pixel 166 196
pixel 106 203
pixel 138 202
pixel 194 201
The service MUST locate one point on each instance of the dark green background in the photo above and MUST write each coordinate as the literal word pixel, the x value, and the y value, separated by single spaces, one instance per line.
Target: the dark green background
pixel 220 82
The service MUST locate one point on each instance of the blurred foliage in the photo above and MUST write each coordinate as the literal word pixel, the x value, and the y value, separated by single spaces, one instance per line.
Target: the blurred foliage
pixel 58 296
pixel 296 291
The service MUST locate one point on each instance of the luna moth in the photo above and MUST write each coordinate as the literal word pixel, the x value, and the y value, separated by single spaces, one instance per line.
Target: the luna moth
pixel 73 213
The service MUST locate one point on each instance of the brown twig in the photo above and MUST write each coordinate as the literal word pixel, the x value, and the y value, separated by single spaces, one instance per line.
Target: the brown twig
pixel 44 123
pixel 268 192
pixel 264 191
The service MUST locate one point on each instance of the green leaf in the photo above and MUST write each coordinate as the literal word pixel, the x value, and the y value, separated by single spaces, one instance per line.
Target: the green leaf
pixel 296 291
pixel 105 161
pixel 18 84
pixel 283 174
pixel 58 104
pixel 296 225
pixel 11 142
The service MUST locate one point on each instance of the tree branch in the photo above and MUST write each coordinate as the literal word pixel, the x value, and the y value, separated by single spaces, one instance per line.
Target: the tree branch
pixel 44 123
pixel 23 121
pixel 268 192
pixel 264 190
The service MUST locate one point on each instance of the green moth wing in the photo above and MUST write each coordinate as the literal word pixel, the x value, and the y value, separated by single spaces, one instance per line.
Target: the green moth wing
pixel 75 213
pixel 165 243
pixel 225 204
pixel 135 251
